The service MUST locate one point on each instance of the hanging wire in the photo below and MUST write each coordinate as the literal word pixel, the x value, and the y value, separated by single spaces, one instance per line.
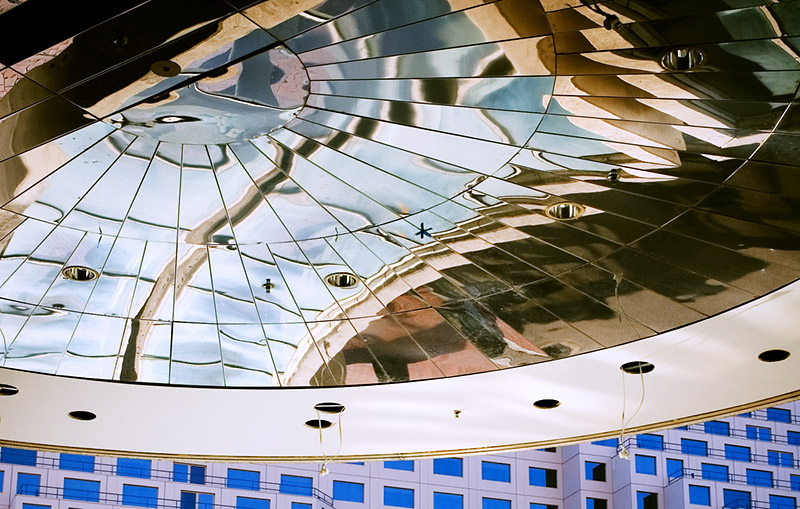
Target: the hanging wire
pixel 623 452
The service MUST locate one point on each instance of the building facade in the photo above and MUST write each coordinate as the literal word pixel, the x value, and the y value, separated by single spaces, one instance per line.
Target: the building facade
pixel 747 461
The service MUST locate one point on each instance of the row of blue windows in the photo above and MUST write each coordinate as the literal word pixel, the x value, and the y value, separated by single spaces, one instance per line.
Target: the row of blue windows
pixel 700 448
pixel 734 499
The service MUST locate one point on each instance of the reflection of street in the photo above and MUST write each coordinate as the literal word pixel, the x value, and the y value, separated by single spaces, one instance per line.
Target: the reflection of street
pixel 408 343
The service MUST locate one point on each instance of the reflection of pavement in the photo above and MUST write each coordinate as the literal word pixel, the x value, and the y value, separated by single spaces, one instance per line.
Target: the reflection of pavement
pixel 420 344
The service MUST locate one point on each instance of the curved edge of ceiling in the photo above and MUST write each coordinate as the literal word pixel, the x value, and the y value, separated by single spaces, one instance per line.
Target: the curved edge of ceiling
pixel 704 370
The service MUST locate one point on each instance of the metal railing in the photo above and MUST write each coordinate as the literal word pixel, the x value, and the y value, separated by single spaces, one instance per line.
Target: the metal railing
pixel 693 473
pixel 761 459
pixel 165 503
pixel 741 433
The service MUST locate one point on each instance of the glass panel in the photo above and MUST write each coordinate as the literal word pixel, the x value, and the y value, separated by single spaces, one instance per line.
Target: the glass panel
pixel 80 489
pixel 398 497
pixel 348 491
pixel 448 466
pixel 491 471
pixel 296 485
pixel 244 479
pixel 140 496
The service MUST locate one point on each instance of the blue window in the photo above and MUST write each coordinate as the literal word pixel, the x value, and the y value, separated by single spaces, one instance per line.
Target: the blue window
pixel 81 489
pixel 780 458
pixel 28 484
pixel 779 415
pixel 793 437
pixel 646 500
pixel 609 442
pixel 76 462
pixel 758 433
pixel 779 502
pixel 737 453
pixel 2 479
pixel 297 505
pixel 194 474
pixel 794 482
pixel 674 468
pixel 356 463
pixel 253 503
pixel 714 472
pixel 699 495
pixel 595 471
pixel 694 447
pixel 717 428
pixel 16 456
pixel 448 466
pixel 645 464
pixel 759 478
pixel 655 442
pixel 447 501
pixel 495 503
pixel 542 477
pixel 348 491
pixel 35 506
pixel 596 503
pixel 191 500
pixel 407 465
pixel 534 505
pixel 491 471
pixel 733 499
pixel 297 485
pixel 140 496
pixel 398 497
pixel 243 479
pixel 129 467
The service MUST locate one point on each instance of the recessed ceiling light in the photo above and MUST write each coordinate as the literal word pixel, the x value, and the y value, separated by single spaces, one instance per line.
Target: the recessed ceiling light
pixel 637 367
pixel 8 390
pixel 329 407
pixel 342 280
pixel 565 211
pixel 166 68
pixel 79 273
pixel 682 59
pixel 82 415
pixel 773 355
pixel 547 403
pixel 176 119
pixel 319 424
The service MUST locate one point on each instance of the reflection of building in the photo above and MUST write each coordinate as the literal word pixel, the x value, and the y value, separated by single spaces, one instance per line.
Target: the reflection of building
pixel 750 461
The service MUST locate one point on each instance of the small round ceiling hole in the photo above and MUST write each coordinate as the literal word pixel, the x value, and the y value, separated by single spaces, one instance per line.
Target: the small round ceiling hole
pixel 342 280
pixel 682 59
pixel 79 273
pixel 82 415
pixel 329 407
pixel 547 403
pixel 319 424
pixel 8 390
pixel 565 211
pixel 637 367
pixel 166 68
pixel 773 355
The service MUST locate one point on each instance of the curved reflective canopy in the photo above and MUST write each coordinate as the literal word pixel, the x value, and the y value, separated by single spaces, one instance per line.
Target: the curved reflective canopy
pixel 360 191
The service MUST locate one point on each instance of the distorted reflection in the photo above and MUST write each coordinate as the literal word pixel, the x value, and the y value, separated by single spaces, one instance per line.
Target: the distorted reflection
pixel 354 192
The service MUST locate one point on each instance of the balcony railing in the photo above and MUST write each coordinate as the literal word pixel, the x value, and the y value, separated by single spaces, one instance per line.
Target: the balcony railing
pixel 104 497
pixel 693 473
pixel 760 459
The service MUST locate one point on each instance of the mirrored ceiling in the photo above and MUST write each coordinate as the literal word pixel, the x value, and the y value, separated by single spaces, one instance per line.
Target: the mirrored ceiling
pixel 305 193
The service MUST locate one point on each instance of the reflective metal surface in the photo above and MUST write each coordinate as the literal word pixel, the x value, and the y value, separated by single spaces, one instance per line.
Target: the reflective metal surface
pixel 411 149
